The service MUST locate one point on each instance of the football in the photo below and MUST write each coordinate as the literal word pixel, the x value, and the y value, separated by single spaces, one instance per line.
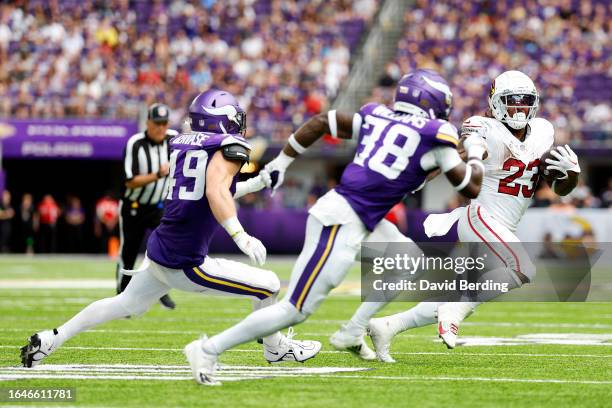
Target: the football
pixel 552 175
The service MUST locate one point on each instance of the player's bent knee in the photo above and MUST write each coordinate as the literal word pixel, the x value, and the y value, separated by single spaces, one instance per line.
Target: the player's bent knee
pixel 270 281
pixel 294 316
pixel 133 306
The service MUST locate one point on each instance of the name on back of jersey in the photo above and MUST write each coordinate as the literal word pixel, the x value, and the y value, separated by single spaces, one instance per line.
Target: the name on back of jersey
pixel 416 121
pixel 194 139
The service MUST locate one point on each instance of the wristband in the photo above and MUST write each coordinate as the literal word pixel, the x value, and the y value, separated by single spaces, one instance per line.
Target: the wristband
pixel 283 160
pixel 333 123
pixel 466 179
pixel 296 145
pixel 232 226
pixel 477 163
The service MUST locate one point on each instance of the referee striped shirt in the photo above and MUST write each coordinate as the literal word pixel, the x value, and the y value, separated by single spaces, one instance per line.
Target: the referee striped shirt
pixel 143 156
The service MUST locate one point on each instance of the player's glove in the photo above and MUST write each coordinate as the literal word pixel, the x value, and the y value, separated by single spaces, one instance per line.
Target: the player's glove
pixel 251 246
pixel 475 146
pixel 276 169
pixel 566 161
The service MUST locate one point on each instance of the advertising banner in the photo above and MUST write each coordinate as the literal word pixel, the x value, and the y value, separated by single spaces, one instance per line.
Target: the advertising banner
pixel 65 138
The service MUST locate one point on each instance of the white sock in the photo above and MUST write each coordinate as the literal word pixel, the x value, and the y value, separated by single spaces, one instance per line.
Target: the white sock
pixel 258 324
pixel 100 311
pixel 421 315
pixel 273 339
pixel 359 322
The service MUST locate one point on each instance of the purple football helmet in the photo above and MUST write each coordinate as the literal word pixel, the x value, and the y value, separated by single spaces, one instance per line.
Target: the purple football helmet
pixel 217 111
pixel 424 92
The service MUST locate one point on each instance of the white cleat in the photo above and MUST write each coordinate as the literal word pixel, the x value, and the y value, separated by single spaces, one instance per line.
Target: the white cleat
pixel 381 335
pixel 447 331
pixel 203 365
pixel 289 349
pixel 450 316
pixel 344 341
pixel 40 346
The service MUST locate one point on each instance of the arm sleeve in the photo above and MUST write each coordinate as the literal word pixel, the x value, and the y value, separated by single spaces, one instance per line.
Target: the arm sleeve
pixel 443 157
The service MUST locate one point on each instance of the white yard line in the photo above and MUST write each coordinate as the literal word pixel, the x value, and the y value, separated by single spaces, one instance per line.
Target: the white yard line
pixel 416 353
pixel 594 326
pixel 486 379
pixel 161 373
pixel 234 373
pixel 57 284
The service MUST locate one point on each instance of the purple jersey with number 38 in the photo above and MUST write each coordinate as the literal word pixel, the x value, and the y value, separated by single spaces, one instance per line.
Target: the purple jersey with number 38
pixel 188 225
pixel 387 164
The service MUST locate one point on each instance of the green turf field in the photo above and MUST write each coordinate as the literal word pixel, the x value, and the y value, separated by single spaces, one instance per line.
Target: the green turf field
pixel 555 355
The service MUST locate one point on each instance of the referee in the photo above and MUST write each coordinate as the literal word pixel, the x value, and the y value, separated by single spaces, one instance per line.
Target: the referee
pixel 145 163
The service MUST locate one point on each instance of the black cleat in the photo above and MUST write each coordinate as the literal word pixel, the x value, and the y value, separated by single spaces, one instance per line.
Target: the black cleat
pixel 39 346
pixel 27 351
pixel 167 302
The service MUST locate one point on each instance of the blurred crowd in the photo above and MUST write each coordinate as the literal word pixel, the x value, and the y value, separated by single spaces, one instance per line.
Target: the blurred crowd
pixel 27 226
pixel 46 226
pixel 563 45
pixel 89 58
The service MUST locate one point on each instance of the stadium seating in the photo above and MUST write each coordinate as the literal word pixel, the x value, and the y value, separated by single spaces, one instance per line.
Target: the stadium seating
pixel 105 59
pixel 563 46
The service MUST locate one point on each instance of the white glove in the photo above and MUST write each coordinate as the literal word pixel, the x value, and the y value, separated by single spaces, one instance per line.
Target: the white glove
pixel 251 246
pixel 253 184
pixel 276 169
pixel 566 161
pixel 266 178
pixel 475 146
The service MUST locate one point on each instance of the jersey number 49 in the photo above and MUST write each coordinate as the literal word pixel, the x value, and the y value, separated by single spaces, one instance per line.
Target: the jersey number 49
pixel 190 177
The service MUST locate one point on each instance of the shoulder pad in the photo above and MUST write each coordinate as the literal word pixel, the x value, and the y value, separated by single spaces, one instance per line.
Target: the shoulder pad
pixel 543 129
pixel 367 108
pixel 473 125
pixel 171 133
pixel 235 152
pixel 446 135
pixel 235 139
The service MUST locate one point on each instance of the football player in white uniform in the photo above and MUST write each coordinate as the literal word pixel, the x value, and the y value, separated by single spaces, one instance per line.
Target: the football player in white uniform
pixel 515 142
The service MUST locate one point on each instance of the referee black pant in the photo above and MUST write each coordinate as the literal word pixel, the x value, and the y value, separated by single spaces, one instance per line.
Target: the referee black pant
pixel 135 219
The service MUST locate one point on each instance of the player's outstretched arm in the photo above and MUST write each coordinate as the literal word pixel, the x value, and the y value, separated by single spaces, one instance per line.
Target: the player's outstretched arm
pixel 465 177
pixel 337 124
pixel 253 184
pixel 219 176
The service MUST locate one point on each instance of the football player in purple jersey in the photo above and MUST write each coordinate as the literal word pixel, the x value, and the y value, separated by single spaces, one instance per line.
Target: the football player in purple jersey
pixel 204 164
pixel 397 149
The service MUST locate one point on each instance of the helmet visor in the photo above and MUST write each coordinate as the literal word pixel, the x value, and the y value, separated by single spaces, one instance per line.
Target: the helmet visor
pixel 241 121
pixel 519 100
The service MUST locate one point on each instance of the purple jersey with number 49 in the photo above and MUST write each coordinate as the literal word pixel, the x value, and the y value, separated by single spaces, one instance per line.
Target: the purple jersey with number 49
pixel 387 164
pixel 182 238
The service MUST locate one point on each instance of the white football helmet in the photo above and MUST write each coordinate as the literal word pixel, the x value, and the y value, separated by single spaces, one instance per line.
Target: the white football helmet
pixel 514 89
